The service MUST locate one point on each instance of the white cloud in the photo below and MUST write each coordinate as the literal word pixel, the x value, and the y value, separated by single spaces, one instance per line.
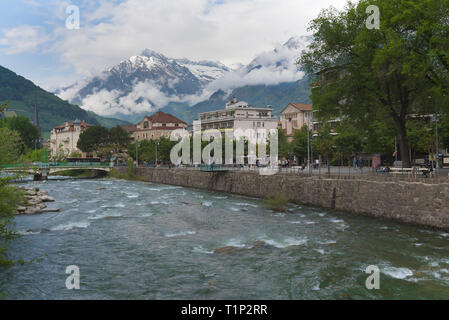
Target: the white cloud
pixel 22 39
pixel 231 32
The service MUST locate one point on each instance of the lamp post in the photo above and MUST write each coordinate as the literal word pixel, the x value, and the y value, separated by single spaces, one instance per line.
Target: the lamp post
pixel 437 162
pixel 156 145
pixel 35 150
pixel 137 154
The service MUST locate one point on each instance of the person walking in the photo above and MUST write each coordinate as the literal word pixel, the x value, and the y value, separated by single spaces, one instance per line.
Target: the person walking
pixel 354 162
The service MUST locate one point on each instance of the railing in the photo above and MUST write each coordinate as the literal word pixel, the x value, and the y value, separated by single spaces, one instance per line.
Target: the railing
pixel 54 165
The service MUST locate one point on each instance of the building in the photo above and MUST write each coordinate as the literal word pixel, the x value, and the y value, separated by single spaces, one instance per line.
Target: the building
pixel 238 115
pixel 156 126
pixel 294 116
pixel 64 138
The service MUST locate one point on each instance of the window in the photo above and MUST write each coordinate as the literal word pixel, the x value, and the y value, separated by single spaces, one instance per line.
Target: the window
pixel 145 124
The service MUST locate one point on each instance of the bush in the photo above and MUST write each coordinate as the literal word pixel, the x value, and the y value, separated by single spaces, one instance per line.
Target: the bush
pixel 10 198
pixel 276 201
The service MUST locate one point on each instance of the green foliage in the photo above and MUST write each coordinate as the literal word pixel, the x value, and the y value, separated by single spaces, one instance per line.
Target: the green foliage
pixel 147 150
pixel 348 142
pixel 284 147
pixel 324 143
pixel 299 143
pixel 40 155
pixel 23 95
pixel 75 154
pixel 103 141
pixel 10 146
pixel 380 75
pixel 10 198
pixel 28 132
pixel 275 201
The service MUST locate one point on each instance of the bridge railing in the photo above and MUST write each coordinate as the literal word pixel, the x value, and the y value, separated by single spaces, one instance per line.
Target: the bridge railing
pixel 54 165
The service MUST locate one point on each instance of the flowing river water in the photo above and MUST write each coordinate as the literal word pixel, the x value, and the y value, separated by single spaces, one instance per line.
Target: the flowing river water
pixel 136 240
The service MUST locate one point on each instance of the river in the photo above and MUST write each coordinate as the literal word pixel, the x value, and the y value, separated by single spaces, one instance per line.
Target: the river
pixel 136 240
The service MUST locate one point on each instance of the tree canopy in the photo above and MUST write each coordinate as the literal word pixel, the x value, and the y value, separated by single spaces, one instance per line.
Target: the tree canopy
pixel 103 141
pixel 28 132
pixel 385 74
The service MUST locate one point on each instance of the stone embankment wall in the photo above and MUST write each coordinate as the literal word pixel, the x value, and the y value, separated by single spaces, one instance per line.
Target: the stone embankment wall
pixel 421 203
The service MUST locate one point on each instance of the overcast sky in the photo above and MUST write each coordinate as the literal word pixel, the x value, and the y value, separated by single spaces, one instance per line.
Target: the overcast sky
pixel 35 43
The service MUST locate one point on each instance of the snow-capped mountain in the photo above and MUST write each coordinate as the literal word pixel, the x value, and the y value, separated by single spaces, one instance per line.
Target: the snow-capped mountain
pixel 147 82
pixel 143 83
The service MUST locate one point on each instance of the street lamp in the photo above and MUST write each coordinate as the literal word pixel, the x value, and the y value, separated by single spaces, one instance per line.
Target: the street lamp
pixel 137 154
pixel 156 145
pixel 35 150
pixel 437 164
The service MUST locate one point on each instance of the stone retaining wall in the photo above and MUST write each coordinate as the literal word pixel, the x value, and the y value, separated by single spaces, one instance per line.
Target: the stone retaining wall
pixel 411 202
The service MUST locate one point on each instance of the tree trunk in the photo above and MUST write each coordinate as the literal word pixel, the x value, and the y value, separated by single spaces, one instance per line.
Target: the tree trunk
pixel 404 150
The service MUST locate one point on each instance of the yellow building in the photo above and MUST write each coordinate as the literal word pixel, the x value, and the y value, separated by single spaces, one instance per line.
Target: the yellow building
pixel 294 116
pixel 156 126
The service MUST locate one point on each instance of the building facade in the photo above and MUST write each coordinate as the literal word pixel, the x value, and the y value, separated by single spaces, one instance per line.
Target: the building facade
pixel 156 126
pixel 294 116
pixel 238 115
pixel 64 138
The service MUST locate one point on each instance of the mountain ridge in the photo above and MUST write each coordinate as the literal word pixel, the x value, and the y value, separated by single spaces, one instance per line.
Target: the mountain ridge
pixel 23 94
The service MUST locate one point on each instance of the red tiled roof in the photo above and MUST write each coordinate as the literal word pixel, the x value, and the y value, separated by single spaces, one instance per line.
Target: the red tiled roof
pixel 158 129
pixel 71 125
pixel 300 106
pixel 162 117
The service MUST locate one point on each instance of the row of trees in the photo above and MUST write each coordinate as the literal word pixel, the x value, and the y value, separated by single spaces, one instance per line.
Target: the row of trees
pixel 383 75
pixel 347 140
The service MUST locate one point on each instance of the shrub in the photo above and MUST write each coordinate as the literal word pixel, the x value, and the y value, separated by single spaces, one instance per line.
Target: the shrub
pixel 275 201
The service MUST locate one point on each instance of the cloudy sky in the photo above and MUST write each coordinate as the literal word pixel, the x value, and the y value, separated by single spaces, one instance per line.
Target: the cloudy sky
pixel 35 43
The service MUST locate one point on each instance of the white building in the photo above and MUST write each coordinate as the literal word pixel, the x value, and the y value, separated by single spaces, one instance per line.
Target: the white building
pixel 64 138
pixel 238 115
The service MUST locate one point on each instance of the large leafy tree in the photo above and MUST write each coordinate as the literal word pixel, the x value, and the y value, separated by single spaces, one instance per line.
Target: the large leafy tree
pixel 28 132
pixel 103 141
pixel 382 74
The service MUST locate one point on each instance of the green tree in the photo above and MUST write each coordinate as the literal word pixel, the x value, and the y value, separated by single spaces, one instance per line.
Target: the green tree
pixel 103 141
pixel 348 141
pixel 10 198
pixel 10 146
pixel 28 132
pixel 324 143
pixel 284 147
pixel 299 144
pixel 371 75
pixel 93 138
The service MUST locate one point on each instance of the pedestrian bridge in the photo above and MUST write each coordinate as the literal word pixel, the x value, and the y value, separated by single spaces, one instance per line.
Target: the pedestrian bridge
pixel 41 170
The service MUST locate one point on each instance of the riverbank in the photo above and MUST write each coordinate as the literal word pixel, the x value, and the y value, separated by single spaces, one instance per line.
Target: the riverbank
pixel 413 202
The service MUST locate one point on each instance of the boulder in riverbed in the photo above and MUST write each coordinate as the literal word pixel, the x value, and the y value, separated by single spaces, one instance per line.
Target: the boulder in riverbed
pixel 228 250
